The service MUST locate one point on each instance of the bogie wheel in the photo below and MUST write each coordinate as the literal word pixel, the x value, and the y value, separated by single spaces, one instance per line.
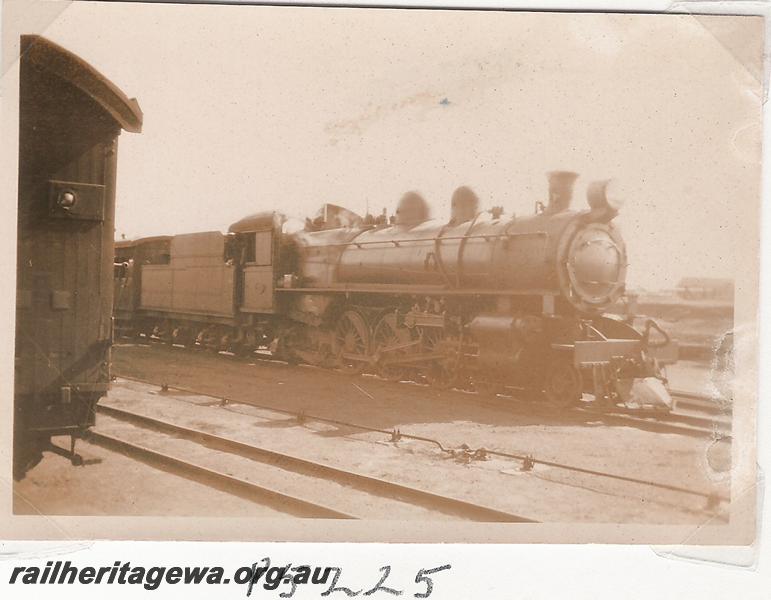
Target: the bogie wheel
pixel 387 335
pixel 135 333
pixel 166 333
pixel 209 340
pixel 241 350
pixel 563 385
pixel 182 336
pixel 225 342
pixel 351 343
pixel 282 347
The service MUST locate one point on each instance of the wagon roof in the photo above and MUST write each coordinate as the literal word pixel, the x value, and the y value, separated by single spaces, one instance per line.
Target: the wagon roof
pixel 73 69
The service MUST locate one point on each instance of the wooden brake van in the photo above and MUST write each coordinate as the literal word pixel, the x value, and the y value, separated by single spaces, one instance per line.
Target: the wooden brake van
pixel 70 117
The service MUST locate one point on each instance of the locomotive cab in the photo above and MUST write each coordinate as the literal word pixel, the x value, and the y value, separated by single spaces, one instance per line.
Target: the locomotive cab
pixel 259 239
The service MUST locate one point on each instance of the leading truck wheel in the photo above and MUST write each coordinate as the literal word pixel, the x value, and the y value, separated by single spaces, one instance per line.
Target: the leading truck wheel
pixel 563 385
pixel 351 343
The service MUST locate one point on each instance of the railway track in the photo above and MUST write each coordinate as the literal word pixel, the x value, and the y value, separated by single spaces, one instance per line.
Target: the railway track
pixel 691 423
pixel 711 500
pixel 295 483
pixel 702 403
pixel 695 415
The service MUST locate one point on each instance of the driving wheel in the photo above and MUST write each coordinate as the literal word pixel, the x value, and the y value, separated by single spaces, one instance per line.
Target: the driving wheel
pixel 351 343
pixel 392 341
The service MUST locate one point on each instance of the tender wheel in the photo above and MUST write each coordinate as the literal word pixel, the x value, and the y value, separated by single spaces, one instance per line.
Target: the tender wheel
pixel 387 335
pixel 209 340
pixel 142 332
pixel 225 342
pixel 351 343
pixel 166 333
pixel 563 385
pixel 181 335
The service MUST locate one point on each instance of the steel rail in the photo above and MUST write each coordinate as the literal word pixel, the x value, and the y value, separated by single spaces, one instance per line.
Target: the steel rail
pixel 396 434
pixel 691 395
pixel 220 481
pixel 365 483
pixel 699 402
pixel 671 423
pixel 695 423
pixel 664 486
pixel 620 419
pixel 703 402
pixel 683 424
pixel 665 422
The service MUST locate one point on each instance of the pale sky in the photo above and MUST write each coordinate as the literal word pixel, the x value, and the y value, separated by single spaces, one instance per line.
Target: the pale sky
pixel 259 108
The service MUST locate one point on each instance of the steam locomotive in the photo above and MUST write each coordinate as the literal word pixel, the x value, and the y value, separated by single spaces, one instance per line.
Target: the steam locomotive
pixel 484 301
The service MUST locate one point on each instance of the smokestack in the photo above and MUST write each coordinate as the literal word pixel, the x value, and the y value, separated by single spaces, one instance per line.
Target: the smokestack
pixel 560 190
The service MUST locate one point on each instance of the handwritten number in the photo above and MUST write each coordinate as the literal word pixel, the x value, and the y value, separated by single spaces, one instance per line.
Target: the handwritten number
pixel 421 578
pixel 386 570
pixel 333 586
pixel 265 560
pixel 290 593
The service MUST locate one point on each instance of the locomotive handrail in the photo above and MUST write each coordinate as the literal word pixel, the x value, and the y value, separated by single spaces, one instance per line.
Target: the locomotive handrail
pixel 396 243
pixel 428 290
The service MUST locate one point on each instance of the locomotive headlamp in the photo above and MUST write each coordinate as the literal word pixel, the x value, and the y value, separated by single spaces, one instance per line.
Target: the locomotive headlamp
pixel 604 198
pixel 66 199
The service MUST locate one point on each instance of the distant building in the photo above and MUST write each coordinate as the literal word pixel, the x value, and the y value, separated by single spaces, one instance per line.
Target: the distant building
pixel 706 288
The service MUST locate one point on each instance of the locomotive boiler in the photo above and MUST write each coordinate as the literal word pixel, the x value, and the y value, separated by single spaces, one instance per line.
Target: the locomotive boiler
pixel 484 301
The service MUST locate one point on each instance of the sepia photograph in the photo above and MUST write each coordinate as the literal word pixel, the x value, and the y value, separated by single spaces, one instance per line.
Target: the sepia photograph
pixel 378 274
